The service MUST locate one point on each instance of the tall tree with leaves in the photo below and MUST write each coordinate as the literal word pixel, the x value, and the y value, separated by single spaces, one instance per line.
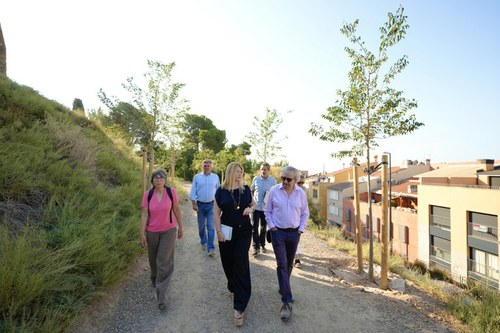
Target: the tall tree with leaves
pixel 199 133
pixel 160 100
pixel 370 109
pixel 154 109
pixel 263 138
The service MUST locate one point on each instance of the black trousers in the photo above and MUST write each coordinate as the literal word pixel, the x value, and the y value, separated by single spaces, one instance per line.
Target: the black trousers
pixel 236 265
pixel 259 236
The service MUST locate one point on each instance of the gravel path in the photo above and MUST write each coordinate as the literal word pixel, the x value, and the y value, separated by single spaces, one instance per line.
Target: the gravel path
pixel 198 300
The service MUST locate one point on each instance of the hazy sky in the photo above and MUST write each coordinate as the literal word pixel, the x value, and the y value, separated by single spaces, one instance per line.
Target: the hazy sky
pixel 238 57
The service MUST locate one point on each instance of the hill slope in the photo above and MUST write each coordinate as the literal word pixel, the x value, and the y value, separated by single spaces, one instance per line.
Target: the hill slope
pixel 68 211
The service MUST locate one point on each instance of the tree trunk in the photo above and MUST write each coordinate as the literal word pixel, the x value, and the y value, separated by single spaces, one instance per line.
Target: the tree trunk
pixel 152 159
pixel 359 239
pixel 172 165
pixel 144 168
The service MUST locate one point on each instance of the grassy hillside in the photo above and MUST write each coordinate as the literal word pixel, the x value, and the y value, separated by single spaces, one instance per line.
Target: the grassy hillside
pixel 69 211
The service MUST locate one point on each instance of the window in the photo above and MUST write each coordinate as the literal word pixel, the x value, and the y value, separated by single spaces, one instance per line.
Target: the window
pixel 334 210
pixel 484 263
pixel 483 226
pixel 315 193
pixel 334 195
pixel 440 248
pixel 440 217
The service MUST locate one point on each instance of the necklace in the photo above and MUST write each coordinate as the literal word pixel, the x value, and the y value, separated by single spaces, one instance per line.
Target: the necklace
pixel 236 206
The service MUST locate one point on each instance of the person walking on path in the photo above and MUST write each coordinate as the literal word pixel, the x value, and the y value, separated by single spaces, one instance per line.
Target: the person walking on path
pixel 159 228
pixel 297 263
pixel 233 206
pixel 260 189
pixel 286 214
pixel 202 197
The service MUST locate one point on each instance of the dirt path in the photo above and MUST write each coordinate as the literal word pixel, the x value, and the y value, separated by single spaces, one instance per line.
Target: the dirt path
pixel 199 301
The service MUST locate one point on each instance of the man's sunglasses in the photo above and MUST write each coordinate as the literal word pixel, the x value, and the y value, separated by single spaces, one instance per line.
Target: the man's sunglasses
pixel 287 179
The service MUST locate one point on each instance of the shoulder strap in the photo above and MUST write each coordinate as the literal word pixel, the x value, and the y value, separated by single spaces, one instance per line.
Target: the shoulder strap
pixel 169 192
pixel 150 195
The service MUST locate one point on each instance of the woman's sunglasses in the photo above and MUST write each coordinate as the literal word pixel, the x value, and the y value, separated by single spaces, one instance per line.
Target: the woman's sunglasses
pixel 287 179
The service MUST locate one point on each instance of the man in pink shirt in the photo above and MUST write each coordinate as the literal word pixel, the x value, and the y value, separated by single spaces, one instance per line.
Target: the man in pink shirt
pixel 286 215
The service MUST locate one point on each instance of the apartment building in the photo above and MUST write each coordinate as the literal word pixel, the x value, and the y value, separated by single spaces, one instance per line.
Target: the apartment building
pixel 403 231
pixel 458 214
pixel 318 190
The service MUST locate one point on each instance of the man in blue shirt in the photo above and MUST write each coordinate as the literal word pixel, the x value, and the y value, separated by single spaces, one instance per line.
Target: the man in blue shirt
pixel 202 196
pixel 260 186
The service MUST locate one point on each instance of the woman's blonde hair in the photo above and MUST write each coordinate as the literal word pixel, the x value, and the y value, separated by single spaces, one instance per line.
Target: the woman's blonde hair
pixel 231 174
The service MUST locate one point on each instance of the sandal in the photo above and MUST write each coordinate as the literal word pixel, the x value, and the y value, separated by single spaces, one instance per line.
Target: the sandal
pixel 238 318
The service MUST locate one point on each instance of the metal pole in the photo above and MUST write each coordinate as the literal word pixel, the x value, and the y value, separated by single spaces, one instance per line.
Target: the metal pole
pixel 390 192
pixel 385 237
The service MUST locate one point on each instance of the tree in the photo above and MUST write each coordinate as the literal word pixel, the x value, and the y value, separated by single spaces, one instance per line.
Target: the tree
pixel 199 134
pixel 160 100
pixel 263 138
pixel 78 105
pixel 156 109
pixel 132 121
pixel 370 109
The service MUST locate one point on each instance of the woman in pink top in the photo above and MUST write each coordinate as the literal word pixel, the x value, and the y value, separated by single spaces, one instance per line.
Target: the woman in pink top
pixel 158 232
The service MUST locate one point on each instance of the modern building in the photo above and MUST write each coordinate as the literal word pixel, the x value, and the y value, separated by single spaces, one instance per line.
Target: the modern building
pixel 458 214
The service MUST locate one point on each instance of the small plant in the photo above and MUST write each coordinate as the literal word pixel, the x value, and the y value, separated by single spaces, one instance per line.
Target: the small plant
pixel 314 213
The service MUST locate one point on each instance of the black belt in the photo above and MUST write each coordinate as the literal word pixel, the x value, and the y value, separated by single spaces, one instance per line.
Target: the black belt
pixel 288 229
pixel 206 203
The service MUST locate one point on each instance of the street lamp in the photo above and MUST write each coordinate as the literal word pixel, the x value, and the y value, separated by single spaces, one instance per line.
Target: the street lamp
pixel 390 192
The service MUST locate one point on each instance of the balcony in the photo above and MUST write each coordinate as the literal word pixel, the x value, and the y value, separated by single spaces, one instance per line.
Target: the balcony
pixel 483 274
pixel 440 222
pixel 440 258
pixel 483 232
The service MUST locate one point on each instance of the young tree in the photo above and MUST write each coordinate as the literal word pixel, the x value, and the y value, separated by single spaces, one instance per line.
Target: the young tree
pixel 370 109
pixel 263 138
pixel 154 111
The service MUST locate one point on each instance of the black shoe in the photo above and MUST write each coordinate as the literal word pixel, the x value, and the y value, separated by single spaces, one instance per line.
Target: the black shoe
pixel 286 311
pixel 255 251
pixel 297 263
pixel 162 307
pixel 264 249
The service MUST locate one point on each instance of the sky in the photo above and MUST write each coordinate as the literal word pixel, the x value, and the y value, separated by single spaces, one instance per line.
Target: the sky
pixel 239 57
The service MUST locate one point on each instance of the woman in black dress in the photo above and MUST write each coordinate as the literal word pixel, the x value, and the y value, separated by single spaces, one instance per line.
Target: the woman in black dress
pixel 233 207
